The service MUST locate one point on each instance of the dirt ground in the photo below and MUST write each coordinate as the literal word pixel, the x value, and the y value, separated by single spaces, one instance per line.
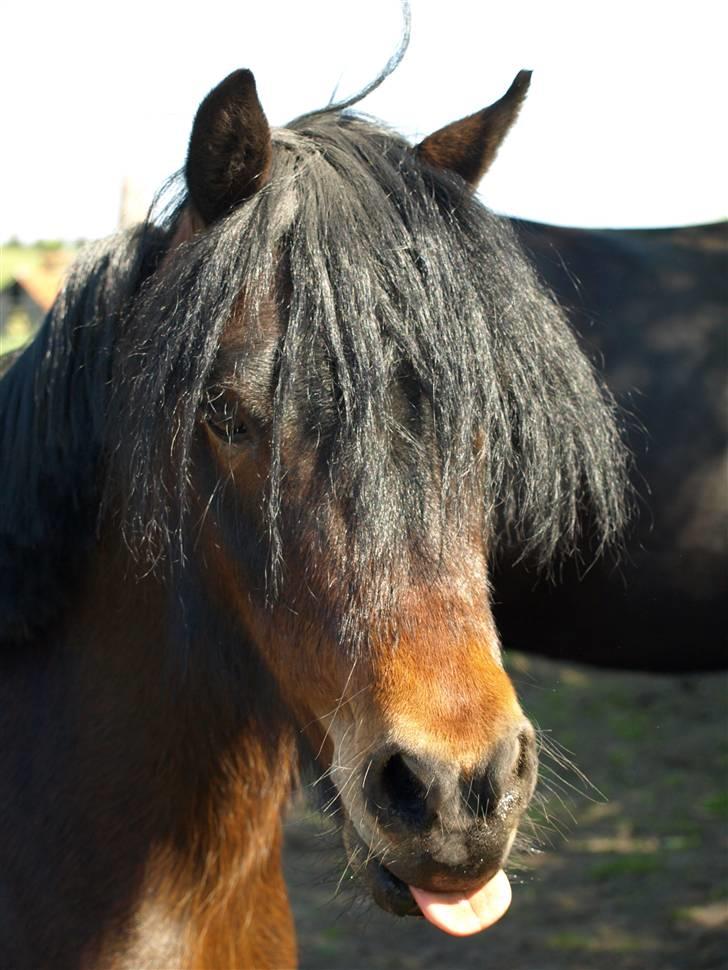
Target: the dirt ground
pixel 631 876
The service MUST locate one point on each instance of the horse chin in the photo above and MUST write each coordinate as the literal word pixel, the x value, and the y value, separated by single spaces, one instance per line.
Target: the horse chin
pixel 386 889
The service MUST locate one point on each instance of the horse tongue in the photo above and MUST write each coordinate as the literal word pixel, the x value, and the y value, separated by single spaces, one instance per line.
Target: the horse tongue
pixel 464 913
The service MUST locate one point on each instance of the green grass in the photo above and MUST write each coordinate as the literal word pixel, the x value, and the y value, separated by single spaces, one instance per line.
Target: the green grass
pixel 636 864
pixel 14 258
pixel 618 942
pixel 569 941
pixel 717 805
pixel 682 843
pixel 631 726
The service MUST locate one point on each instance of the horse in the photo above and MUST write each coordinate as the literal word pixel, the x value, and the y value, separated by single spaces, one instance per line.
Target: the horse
pixel 255 465
pixel 649 306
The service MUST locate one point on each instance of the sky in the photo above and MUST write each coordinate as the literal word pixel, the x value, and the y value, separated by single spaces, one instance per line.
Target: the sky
pixel 624 125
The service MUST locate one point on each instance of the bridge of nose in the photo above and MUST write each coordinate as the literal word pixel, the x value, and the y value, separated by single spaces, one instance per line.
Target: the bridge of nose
pixel 447 699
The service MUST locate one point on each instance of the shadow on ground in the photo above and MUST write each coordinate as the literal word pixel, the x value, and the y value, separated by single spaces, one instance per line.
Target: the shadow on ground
pixel 629 875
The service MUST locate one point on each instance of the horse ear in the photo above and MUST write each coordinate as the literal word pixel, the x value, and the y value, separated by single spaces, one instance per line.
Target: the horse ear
pixel 229 155
pixel 469 146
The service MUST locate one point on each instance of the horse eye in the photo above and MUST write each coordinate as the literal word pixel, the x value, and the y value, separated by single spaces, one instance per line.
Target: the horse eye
pixel 222 413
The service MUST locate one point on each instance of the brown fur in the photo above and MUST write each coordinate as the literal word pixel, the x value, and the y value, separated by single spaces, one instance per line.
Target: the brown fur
pixel 469 146
pixel 229 153
pixel 202 878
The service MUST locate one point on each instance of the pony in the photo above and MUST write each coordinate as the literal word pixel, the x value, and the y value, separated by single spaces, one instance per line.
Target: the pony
pixel 255 466
pixel 650 304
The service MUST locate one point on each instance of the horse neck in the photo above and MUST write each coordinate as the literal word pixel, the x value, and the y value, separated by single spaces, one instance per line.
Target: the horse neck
pixel 209 751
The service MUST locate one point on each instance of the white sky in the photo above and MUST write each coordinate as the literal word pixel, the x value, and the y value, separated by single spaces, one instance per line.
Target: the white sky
pixel 625 124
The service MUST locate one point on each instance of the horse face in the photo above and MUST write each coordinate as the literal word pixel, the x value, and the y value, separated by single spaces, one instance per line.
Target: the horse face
pixel 398 688
pixel 395 679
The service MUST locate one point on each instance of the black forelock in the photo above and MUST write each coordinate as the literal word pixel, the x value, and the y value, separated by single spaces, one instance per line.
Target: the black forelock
pixel 395 276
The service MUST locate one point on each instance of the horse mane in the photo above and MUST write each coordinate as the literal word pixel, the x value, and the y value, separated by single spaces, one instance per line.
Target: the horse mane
pixel 396 278
pixel 53 400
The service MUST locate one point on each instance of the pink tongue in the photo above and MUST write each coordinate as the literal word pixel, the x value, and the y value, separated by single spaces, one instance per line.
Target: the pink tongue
pixel 464 913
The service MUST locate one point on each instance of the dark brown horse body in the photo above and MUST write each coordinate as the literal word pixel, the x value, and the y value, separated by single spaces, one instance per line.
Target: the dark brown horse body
pixel 253 468
pixel 649 305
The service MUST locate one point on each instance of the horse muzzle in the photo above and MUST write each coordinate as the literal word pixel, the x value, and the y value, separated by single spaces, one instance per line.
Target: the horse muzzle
pixel 430 835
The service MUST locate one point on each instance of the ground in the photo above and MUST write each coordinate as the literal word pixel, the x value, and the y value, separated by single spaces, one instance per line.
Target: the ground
pixel 629 875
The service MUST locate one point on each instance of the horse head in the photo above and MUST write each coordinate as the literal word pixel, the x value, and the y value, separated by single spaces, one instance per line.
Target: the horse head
pixel 386 386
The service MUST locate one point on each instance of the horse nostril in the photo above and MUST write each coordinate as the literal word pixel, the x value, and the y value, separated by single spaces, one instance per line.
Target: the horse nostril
pixel 407 792
pixel 506 781
pixel 404 792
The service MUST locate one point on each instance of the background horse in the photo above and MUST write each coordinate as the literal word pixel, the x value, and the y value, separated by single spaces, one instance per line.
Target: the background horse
pixel 649 305
pixel 254 466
